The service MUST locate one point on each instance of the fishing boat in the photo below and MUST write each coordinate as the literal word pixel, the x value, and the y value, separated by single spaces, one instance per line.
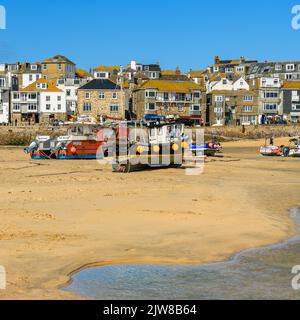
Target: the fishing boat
pixel 152 145
pixel 207 149
pixel 81 142
pixel 269 150
pixel 293 150
pixel 41 148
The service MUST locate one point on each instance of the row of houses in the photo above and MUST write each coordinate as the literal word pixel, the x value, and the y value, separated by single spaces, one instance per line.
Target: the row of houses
pixel 230 92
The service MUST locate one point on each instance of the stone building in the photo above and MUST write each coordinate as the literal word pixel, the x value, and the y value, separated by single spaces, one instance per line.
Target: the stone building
pixel 178 99
pixel 101 98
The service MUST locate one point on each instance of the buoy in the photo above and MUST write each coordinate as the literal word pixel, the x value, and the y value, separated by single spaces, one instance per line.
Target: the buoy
pixel 140 149
pixel 175 147
pixel 184 145
pixel 156 149
pixel 73 149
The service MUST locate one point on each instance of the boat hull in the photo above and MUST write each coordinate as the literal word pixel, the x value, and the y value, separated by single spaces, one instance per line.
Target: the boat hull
pixel 80 150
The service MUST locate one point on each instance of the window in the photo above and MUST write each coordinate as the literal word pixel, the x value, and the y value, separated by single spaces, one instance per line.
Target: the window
pixel 34 67
pixel 87 107
pixel 16 96
pixel 58 98
pixel 150 106
pixel 48 107
pixel 150 94
pixel 224 81
pixel 102 75
pixel 197 95
pixel 166 96
pixel 115 95
pixel 37 77
pixel 290 67
pixel 180 97
pixel 101 95
pixel 248 98
pixel 61 81
pixel 296 107
pixel 219 98
pixel 239 69
pixel 114 108
pixel 32 107
pixel 288 76
pixel 247 108
pixel 30 77
pixel 218 110
pixel 270 94
pixel 248 119
pixel 44 67
pixel 59 107
pixel 68 92
pixel 278 67
pixel 270 107
pixel 195 107
pixel 59 67
pixel 87 95
pixel 48 98
pixel 32 96
pixel 2 83
pixel 16 107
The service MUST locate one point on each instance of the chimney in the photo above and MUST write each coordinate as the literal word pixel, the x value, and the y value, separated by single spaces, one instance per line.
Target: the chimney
pixel 217 60
pixel 178 71
pixel 242 59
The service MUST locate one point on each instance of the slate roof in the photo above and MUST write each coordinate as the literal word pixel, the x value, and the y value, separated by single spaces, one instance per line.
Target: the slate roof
pixel 100 84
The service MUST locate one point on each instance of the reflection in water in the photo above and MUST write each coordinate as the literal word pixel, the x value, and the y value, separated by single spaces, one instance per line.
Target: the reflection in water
pixel 263 273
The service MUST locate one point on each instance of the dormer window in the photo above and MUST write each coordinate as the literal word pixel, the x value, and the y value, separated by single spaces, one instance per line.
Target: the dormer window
pixel 278 67
pixel 42 86
pixel 33 67
pixel 224 81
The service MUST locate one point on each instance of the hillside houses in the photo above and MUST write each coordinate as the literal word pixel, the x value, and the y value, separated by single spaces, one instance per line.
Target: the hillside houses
pixel 228 92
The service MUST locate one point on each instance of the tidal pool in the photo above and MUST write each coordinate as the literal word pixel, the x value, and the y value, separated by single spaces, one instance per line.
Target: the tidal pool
pixel 260 273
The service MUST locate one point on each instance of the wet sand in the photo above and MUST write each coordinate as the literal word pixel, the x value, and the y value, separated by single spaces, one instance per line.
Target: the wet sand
pixel 58 216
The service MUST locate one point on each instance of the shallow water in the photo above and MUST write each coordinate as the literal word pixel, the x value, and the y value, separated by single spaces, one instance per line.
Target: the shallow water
pixel 262 273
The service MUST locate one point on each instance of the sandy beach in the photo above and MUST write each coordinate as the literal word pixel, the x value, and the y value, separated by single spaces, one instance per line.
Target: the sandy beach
pixel 59 216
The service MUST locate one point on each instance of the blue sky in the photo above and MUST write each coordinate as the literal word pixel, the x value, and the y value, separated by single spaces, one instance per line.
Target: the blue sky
pixel 184 33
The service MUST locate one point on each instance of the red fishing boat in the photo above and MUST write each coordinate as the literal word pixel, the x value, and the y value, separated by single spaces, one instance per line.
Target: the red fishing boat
pixel 82 142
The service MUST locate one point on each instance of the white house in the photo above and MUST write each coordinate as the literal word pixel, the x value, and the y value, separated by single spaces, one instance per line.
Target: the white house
pixel 241 84
pixel 40 102
pixel 70 87
pixel 227 85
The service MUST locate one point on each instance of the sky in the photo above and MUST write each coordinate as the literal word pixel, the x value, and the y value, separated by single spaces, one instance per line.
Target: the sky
pixel 176 33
